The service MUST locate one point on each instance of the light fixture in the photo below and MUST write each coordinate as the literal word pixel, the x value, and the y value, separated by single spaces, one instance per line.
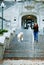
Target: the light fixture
pixel 2 5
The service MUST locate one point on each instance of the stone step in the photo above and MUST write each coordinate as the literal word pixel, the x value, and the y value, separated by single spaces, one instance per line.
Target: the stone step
pixel 25 50
pixel 30 55
pixel 18 54
pixel 24 53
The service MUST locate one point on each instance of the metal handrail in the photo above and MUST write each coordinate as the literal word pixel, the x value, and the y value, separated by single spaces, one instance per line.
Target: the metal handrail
pixel 5 19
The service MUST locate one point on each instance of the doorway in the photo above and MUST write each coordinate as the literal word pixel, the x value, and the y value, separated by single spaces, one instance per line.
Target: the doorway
pixel 28 21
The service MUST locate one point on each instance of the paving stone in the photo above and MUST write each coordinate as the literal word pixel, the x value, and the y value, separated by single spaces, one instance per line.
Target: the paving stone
pixel 23 62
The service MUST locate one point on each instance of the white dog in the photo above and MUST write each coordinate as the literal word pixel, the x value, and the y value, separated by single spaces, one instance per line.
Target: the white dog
pixel 20 36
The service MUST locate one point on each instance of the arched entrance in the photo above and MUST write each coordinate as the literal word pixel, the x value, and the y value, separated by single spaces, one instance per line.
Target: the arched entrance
pixel 28 20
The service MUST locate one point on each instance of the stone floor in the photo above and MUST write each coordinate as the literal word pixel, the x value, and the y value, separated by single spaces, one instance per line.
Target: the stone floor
pixel 23 62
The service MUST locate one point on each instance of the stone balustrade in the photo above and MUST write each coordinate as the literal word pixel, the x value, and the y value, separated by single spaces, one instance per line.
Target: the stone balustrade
pixel 13 31
pixel 7 39
pixel 2 46
pixel 9 36
pixel 4 41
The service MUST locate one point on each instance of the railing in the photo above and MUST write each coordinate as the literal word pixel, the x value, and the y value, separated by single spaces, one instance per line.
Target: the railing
pixel 6 23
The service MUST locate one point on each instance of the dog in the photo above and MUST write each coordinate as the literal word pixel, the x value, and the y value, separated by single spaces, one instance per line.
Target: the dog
pixel 20 36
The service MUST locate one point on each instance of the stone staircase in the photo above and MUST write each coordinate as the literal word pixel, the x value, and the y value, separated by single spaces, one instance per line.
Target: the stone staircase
pixel 24 49
pixel 19 49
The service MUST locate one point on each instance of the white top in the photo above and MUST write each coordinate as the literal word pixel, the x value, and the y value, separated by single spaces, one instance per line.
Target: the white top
pixel 2 38
pixel 30 32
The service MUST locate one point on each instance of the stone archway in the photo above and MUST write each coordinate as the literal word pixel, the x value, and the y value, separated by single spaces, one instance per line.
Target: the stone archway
pixel 28 20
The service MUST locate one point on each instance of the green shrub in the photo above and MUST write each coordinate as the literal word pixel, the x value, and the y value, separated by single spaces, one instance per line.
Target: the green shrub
pixel 2 31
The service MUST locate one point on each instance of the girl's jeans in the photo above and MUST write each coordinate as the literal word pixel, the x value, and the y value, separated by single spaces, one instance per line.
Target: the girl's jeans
pixel 36 36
